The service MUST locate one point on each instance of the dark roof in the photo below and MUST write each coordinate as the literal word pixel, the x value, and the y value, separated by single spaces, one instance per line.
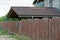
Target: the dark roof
pixel 34 11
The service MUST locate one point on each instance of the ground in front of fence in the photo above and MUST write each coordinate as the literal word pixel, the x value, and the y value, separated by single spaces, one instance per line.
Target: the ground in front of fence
pixel 6 37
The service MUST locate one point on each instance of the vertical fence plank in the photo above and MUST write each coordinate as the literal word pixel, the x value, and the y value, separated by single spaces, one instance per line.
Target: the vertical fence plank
pixel 58 29
pixel 24 28
pixel 20 27
pixel 50 29
pixel 45 28
pixel 56 21
pixel 10 27
pixel 0 26
pixel 15 27
pixel 4 25
pixel 36 31
pixel 29 23
pixel 33 30
pixel 53 29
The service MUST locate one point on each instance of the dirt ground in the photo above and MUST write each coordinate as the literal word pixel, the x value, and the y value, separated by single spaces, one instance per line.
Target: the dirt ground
pixel 6 37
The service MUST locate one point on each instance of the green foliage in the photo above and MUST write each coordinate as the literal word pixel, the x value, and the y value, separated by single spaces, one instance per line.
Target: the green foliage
pixel 14 19
pixel 16 36
pixel 20 37
pixel 4 32
pixel 5 18
pixel 0 28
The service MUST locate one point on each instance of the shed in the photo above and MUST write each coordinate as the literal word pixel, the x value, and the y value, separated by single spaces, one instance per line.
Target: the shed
pixel 16 12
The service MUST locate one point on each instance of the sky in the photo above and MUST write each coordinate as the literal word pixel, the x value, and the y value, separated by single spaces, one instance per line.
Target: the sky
pixel 6 4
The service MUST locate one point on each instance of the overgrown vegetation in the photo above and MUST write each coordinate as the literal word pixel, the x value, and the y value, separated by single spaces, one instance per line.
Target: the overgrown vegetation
pixel 16 36
pixel 5 18
pixel 20 37
pixel 4 32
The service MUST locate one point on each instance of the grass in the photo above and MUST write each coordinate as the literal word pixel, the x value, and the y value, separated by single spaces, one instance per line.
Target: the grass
pixel 16 36
pixel 20 37
pixel 4 32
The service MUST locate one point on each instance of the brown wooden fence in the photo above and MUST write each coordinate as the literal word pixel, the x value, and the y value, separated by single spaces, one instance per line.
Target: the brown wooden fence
pixel 37 29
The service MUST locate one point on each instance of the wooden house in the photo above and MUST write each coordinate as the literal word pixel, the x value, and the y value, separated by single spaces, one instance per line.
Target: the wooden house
pixel 17 12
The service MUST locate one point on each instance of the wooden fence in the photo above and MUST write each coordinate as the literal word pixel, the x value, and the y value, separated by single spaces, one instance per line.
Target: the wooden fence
pixel 37 29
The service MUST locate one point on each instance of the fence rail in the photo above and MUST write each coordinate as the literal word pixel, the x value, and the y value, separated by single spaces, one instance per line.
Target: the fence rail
pixel 37 29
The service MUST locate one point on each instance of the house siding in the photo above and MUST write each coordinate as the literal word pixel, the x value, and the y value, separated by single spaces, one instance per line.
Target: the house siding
pixel 40 4
pixel 46 3
pixel 52 3
pixel 56 3
pixel 49 3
